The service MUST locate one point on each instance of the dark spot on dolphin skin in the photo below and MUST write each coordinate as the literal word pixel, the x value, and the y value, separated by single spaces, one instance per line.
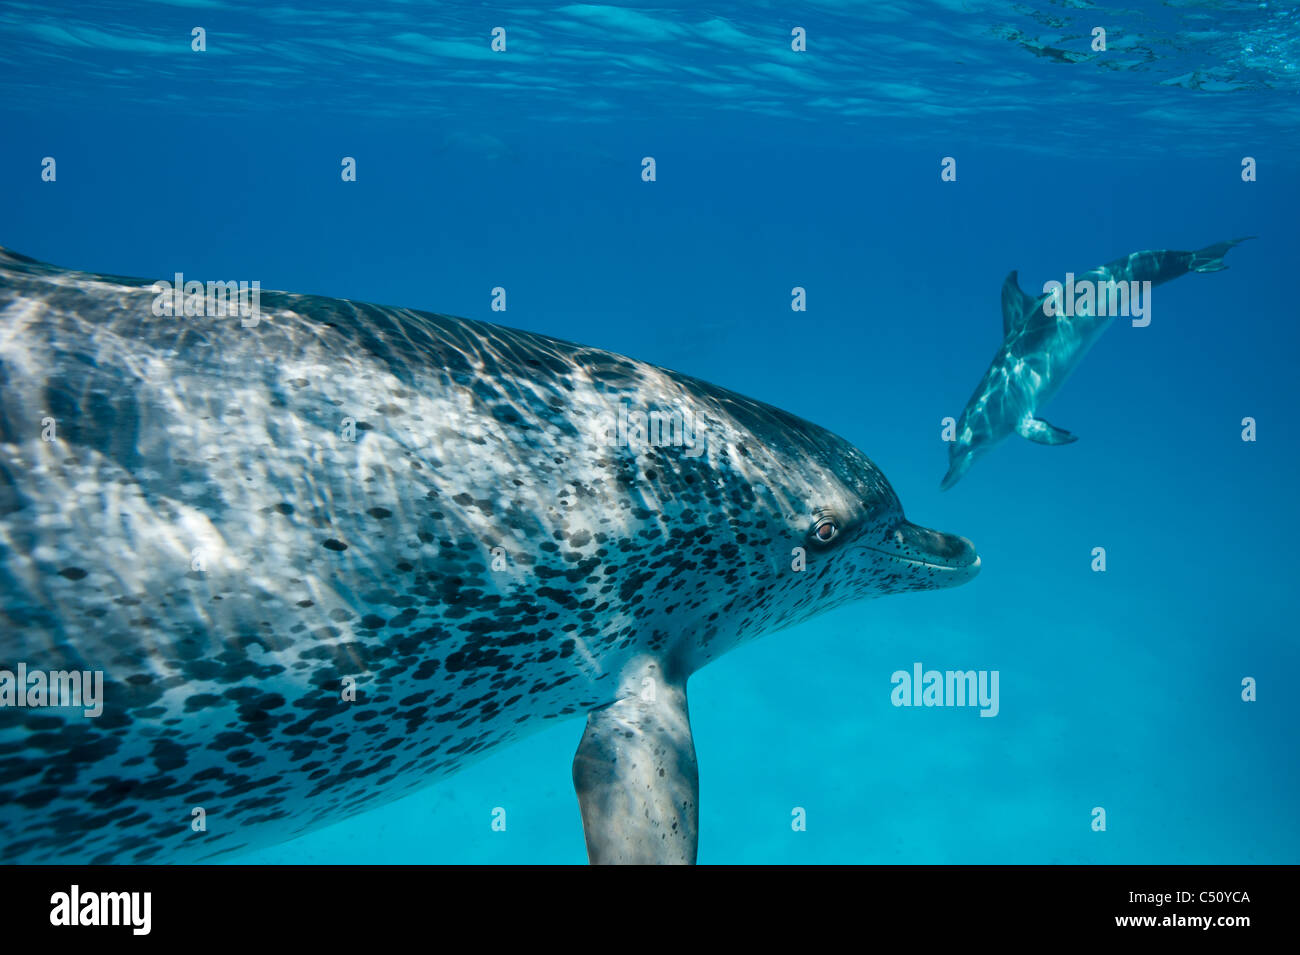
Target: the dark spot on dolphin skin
pixel 332 544
pixel 403 618
pixel 380 512
pixel 72 573
pixel 167 755
pixel 201 701
pixel 508 414
pixel 284 507
pixel 38 798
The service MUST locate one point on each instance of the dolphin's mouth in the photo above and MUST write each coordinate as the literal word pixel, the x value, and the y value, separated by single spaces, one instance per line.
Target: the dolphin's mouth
pixel 953 557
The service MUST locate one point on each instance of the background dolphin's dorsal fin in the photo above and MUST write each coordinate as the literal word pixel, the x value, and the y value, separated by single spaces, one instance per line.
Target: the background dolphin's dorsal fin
pixel 1015 303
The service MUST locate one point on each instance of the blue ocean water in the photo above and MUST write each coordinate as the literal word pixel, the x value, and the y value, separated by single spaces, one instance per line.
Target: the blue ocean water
pixel 775 169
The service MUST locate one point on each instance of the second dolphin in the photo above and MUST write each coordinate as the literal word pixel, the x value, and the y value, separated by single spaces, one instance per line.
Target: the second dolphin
pixel 1045 338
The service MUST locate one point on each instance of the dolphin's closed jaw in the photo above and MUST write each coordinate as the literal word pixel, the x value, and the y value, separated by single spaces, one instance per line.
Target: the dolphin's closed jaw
pixel 946 559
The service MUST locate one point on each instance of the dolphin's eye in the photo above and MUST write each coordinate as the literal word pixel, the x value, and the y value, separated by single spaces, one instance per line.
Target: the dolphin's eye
pixel 825 529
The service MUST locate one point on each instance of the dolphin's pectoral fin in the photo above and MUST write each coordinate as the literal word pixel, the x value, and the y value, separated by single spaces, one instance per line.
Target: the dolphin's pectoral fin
pixel 636 777
pixel 1038 430
pixel 1016 303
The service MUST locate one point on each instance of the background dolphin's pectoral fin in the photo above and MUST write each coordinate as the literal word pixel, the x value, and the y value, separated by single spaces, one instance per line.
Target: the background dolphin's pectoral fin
pixel 1016 304
pixel 636 776
pixel 1038 430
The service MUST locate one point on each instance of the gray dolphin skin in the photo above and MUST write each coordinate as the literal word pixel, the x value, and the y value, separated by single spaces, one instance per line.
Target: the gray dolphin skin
pixel 1042 345
pixel 329 553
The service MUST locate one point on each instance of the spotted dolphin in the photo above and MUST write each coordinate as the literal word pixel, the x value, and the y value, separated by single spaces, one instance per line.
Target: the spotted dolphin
pixel 1045 338
pixel 323 553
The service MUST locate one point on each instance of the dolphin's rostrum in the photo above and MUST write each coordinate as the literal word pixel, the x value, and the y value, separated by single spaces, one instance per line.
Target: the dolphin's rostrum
pixel 1045 338
pixel 329 556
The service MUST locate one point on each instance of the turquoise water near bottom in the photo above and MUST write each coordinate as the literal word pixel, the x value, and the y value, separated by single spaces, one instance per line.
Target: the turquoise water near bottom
pixel 1119 690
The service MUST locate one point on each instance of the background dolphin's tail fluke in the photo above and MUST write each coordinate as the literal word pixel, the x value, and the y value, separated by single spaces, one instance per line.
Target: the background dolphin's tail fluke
pixel 1210 258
